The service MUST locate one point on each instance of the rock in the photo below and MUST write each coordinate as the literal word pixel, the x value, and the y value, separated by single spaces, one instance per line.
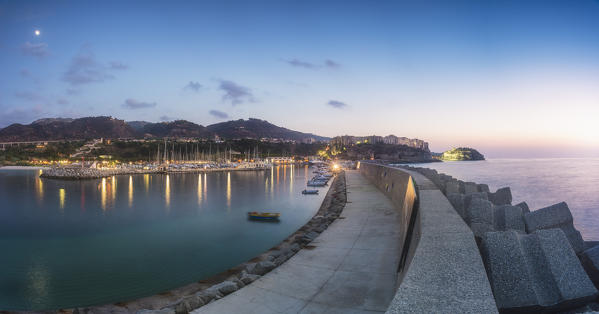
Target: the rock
pixel 295 247
pixel 524 206
pixel 507 217
pixel 276 253
pixel 590 262
pixel 479 211
pixel 452 187
pixel 457 201
pixel 310 236
pixel 223 288
pixel 533 272
pixel 207 295
pixel 248 278
pixel 555 216
pixel 502 196
pixel 192 302
pixel 260 268
pixel 161 311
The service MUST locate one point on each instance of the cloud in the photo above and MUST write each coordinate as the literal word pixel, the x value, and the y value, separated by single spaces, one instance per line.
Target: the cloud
pixel 301 64
pixel 167 118
pixel 330 64
pixel 194 86
pixel 337 104
pixel 237 94
pixel 135 104
pixel 35 50
pixel 116 65
pixel 85 69
pixel 27 95
pixel 219 114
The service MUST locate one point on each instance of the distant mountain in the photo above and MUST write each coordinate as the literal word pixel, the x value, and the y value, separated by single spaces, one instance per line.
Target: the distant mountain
pixel 107 127
pixel 178 128
pixel 59 129
pixel 256 128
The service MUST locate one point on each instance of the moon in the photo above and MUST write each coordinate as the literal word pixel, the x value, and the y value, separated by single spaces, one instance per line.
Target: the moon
pixel 37 32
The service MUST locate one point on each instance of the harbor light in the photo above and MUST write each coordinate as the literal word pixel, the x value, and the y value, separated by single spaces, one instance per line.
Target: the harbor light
pixel 335 167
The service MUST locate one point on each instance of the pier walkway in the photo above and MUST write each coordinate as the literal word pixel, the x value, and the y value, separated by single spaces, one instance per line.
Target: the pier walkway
pixel 350 268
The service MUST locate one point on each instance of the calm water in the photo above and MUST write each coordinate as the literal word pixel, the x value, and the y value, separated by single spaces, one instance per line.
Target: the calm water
pixel 77 243
pixel 540 182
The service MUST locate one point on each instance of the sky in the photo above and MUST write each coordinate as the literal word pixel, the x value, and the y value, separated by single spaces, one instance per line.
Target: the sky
pixel 509 78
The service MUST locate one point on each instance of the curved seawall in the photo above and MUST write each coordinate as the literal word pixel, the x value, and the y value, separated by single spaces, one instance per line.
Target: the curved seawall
pixel 440 267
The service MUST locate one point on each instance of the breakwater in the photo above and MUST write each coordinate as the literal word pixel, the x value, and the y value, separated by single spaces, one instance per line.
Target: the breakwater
pixel 186 299
pixel 72 173
pixel 532 258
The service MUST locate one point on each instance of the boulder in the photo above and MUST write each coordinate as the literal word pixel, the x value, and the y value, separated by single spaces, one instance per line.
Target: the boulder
pixel 590 262
pixel 161 311
pixel 224 287
pixel 248 278
pixel 295 247
pixel 502 196
pixel 508 217
pixel 555 216
pixel 535 272
pixel 524 206
pixel 260 268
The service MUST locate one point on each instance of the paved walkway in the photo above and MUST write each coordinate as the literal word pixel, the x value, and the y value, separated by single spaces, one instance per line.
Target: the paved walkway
pixel 350 269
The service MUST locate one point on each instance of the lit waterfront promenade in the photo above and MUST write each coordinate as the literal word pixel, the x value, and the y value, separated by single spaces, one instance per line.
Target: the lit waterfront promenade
pixel 350 268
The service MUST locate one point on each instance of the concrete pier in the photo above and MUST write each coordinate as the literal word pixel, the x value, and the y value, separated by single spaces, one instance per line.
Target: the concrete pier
pixel 350 268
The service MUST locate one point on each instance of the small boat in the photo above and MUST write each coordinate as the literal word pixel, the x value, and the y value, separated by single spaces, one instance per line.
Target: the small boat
pixel 310 192
pixel 316 183
pixel 264 216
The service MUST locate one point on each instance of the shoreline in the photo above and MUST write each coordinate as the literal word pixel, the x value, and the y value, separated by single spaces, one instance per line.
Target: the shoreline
pixel 23 168
pixel 87 174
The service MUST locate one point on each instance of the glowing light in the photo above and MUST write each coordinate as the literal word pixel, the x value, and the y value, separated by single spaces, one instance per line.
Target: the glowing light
pixel 113 187
pixel 167 191
pixel 37 32
pixel 130 191
pixel 199 189
pixel 39 188
pixel 103 194
pixel 205 187
pixel 335 167
pixel 147 182
pixel 228 190
pixel 61 197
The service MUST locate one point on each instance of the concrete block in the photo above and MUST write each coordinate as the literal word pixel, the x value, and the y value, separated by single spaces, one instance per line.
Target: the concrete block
pixel 502 196
pixel 507 217
pixel 452 187
pixel 479 216
pixel 468 198
pixel 457 201
pixel 590 262
pixel 524 206
pixel 468 187
pixel 555 216
pixel 483 188
pixel 533 272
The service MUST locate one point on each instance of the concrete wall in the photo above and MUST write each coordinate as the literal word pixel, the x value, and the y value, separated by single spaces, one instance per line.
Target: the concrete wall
pixel 441 269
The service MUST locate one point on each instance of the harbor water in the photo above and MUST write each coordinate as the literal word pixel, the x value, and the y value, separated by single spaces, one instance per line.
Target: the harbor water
pixel 79 243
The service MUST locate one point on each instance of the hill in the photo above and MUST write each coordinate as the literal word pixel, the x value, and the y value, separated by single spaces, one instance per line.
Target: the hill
pixel 256 128
pixel 462 154
pixel 108 127
pixel 59 129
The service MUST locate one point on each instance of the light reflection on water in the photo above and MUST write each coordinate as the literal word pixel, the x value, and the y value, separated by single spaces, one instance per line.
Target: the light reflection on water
pixel 540 182
pixel 96 241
